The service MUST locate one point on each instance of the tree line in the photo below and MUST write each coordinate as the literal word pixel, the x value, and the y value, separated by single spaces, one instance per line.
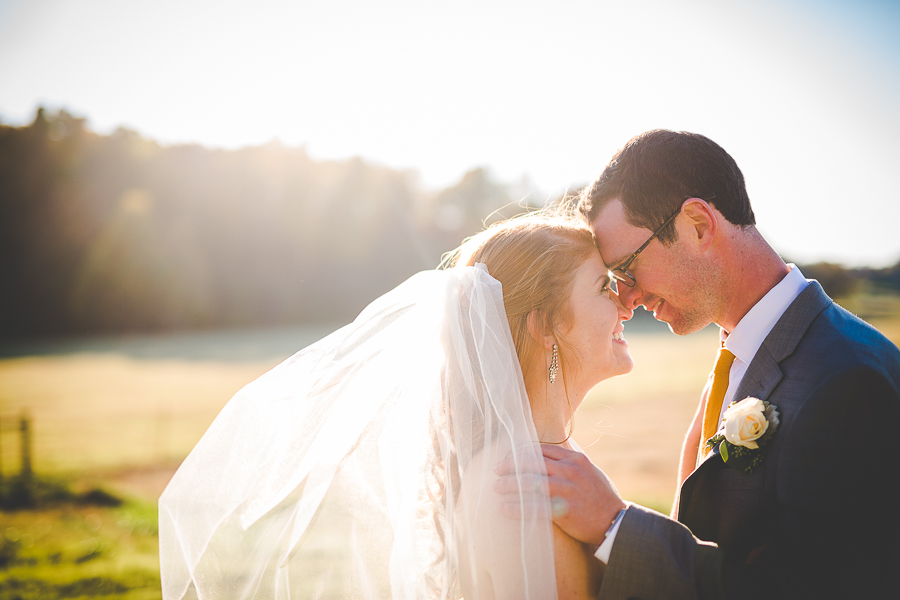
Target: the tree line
pixel 103 233
pixel 115 232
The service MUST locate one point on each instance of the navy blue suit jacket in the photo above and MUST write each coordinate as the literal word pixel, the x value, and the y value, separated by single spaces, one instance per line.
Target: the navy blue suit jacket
pixel 819 518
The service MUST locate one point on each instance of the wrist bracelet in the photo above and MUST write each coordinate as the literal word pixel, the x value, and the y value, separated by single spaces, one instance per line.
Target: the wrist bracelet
pixel 612 524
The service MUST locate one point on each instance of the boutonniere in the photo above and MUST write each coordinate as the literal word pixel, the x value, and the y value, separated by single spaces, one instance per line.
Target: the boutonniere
pixel 746 428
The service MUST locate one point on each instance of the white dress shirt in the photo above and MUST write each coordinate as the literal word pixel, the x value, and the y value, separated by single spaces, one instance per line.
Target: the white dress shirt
pixel 748 335
pixel 743 341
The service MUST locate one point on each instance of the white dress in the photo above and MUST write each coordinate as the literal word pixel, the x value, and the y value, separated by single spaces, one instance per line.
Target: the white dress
pixel 338 473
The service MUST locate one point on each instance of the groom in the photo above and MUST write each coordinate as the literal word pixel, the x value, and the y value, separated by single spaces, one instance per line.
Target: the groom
pixel 818 515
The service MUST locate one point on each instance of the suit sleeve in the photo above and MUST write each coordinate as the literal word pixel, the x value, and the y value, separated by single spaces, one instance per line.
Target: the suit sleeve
pixel 656 557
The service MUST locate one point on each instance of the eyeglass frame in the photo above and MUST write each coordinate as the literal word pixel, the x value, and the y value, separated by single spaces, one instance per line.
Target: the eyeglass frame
pixel 620 272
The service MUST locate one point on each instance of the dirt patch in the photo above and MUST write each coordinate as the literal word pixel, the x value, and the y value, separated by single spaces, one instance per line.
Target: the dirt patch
pixel 144 483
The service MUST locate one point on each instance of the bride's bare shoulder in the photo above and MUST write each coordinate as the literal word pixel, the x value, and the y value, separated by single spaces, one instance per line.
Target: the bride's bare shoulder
pixel 490 566
pixel 493 536
pixel 478 476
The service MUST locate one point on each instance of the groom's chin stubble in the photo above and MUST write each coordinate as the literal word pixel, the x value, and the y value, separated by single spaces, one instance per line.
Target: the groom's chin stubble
pixel 681 324
pixel 682 328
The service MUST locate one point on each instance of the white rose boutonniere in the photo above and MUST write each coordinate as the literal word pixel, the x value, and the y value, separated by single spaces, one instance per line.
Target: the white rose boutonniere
pixel 746 427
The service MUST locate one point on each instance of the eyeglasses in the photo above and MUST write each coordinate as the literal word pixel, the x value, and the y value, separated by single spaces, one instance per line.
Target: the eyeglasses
pixel 620 273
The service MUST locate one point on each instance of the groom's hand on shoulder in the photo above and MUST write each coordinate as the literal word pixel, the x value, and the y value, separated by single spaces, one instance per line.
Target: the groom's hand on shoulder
pixel 583 499
pixel 592 498
pixel 522 485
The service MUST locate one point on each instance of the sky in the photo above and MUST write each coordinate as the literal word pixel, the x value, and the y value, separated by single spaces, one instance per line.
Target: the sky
pixel 804 94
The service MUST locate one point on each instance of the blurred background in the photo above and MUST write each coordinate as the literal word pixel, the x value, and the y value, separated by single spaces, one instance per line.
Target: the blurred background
pixel 192 191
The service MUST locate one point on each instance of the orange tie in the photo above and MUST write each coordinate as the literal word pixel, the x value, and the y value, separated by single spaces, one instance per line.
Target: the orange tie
pixel 716 395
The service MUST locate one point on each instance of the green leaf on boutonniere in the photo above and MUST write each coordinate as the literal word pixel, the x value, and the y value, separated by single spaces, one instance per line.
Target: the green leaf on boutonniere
pixel 714 441
pixel 741 458
pixel 736 457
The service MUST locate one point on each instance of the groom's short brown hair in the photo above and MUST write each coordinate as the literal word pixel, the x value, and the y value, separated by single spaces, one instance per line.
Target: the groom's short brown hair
pixel 658 170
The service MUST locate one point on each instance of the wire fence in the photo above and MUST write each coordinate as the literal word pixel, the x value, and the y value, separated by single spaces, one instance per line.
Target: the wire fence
pixel 58 446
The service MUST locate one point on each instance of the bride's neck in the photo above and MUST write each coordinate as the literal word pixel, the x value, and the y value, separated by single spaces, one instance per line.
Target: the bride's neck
pixel 551 409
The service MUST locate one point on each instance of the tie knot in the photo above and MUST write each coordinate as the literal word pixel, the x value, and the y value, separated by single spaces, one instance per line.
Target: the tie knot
pixel 723 360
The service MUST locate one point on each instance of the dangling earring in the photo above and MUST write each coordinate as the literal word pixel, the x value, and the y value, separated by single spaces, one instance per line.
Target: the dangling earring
pixel 554 364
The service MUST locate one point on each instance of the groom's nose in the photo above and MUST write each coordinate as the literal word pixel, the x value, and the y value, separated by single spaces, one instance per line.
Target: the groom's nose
pixel 630 297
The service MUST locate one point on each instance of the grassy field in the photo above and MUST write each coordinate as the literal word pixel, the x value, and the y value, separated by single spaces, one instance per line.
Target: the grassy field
pixel 101 420
pixel 124 424
pixel 77 551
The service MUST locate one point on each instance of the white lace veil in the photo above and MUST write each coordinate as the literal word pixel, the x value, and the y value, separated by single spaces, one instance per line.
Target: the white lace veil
pixel 362 466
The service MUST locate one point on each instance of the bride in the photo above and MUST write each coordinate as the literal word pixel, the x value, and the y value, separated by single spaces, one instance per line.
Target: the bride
pixel 362 466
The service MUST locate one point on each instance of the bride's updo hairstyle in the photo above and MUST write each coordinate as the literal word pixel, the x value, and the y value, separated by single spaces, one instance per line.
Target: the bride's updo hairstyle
pixel 534 257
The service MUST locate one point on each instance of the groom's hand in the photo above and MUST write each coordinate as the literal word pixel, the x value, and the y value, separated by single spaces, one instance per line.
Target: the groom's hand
pixel 583 499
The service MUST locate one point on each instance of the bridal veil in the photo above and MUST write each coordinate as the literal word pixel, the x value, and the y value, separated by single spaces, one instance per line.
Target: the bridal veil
pixel 362 466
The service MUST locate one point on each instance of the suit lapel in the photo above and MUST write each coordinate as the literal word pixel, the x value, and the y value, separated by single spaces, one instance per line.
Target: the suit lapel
pixel 791 327
pixel 764 373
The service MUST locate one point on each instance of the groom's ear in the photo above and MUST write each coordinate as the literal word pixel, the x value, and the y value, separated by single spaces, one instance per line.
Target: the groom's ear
pixel 702 221
pixel 538 330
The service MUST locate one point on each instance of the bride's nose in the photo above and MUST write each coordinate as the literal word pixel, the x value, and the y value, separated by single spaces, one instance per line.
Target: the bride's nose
pixel 625 313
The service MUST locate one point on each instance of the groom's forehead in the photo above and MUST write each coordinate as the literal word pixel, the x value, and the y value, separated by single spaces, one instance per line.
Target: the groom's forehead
pixel 616 238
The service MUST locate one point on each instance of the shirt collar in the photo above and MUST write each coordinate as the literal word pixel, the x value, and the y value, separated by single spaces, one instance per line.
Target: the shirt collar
pixel 750 332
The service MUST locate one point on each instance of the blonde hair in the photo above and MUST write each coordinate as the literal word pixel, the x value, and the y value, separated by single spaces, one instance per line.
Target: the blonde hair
pixel 534 257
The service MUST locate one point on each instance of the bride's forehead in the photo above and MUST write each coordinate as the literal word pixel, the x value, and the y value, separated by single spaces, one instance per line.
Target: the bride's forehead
pixel 591 268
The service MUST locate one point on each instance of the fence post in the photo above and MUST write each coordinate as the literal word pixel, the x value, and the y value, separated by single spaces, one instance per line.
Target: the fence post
pixel 25 426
